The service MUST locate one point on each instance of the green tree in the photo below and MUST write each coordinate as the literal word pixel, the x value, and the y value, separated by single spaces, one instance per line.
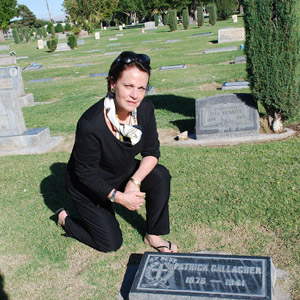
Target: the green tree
pixel 185 17
pixel 273 54
pixel 200 15
pixel 7 12
pixel 28 18
pixel 225 8
pixel 212 11
pixel 172 15
pixel 133 9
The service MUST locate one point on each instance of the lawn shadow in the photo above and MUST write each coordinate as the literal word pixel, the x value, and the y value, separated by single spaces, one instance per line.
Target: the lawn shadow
pixel 131 217
pixel 3 294
pixel 53 189
pixel 177 104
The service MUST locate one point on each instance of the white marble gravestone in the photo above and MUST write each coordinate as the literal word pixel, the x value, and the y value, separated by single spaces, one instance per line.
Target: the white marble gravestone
pixel 226 35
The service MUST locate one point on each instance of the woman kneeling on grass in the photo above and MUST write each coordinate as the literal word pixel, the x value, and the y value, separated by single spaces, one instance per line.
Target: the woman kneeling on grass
pixel 102 168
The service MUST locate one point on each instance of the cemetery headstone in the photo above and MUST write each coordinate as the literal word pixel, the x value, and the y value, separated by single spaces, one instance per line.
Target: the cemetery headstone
pixel 235 85
pixel 173 41
pixel 119 34
pixel 8 60
pixel 112 53
pixel 83 34
pixel 40 80
pixel 203 277
pixel 174 67
pixel 99 75
pixel 151 41
pixel 149 26
pixel 229 115
pixel 223 49
pixel 40 44
pixel 83 65
pixel 80 42
pixel 150 90
pixel 95 50
pixel 14 136
pixel 97 35
pixel 4 47
pixel 62 47
pixel 120 27
pixel 113 44
pixel 11 80
pixel 33 67
pixel 113 39
pixel 22 57
pixel 226 35
pixel 202 34
pixel 62 36
pixel 240 60
pixel 4 54
pixel 234 18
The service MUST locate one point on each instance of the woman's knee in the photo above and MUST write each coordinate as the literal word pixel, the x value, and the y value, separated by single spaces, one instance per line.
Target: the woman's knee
pixel 112 244
pixel 160 173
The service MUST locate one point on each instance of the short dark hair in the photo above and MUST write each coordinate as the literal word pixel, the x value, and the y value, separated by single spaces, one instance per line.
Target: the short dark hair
pixel 124 61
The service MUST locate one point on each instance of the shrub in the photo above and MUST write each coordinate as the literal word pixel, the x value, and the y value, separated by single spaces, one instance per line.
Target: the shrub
pixel 172 17
pixel 156 20
pixel 272 48
pixel 16 36
pixel 165 19
pixel 52 43
pixel 117 22
pixel 185 17
pixel 225 8
pixel 200 15
pixel 21 35
pixel 44 32
pixel 40 33
pixel 68 27
pixel 49 27
pixel 27 36
pixel 72 41
pixel 59 28
pixel 212 10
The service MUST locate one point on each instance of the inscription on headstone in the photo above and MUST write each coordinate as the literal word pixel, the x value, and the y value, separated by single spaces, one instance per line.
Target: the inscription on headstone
pixel 202 276
pixel 231 35
pixel 229 115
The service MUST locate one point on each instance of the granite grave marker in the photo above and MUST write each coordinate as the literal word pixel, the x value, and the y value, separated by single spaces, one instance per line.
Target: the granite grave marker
pixel 8 60
pixel 235 85
pixel 223 49
pixel 202 34
pixel 231 35
pixel 228 115
pixel 174 67
pixel 150 25
pixel 175 276
pixel 4 47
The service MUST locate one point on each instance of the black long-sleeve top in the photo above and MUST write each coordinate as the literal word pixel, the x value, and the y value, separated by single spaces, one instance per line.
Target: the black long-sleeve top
pixel 99 160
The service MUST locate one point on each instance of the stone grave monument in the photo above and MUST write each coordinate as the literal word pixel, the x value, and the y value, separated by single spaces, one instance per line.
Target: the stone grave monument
pixel 15 138
pixel 228 115
pixel 176 276
pixel 97 35
pixel 234 18
pixel 11 80
pixel 4 47
pixel 40 44
pixel 150 25
pixel 226 35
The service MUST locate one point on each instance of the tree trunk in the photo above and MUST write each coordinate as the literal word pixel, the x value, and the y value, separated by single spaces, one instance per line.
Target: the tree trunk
pixel 1 35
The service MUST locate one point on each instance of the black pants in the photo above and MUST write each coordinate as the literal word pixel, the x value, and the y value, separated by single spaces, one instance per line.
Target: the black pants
pixel 99 227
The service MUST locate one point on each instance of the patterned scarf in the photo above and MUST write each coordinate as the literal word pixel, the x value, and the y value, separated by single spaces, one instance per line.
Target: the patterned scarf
pixel 131 133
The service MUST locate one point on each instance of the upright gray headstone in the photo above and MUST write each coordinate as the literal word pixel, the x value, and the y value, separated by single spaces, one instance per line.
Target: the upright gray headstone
pixel 150 26
pixel 168 276
pixel 14 137
pixel 229 115
pixel 62 47
pixel 11 79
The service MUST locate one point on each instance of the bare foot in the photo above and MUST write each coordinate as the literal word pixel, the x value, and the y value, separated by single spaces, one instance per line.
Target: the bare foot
pixel 156 242
pixel 61 218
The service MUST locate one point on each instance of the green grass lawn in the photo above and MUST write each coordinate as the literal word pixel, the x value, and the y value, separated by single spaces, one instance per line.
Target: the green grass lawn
pixel 243 200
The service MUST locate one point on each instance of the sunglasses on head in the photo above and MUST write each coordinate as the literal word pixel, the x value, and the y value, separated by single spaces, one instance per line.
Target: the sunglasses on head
pixel 129 57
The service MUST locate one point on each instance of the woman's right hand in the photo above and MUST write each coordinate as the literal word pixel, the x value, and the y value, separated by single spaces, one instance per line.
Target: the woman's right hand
pixel 132 200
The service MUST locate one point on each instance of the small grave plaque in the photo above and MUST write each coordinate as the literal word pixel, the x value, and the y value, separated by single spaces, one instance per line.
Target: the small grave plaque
pixel 22 57
pixel 40 80
pixel 151 41
pixel 113 39
pixel 33 67
pixel 62 36
pixel 83 65
pixel 202 277
pixel 156 49
pixel 99 75
pixel 240 60
pixel 62 47
pixel 224 49
pixel 114 44
pixel 112 53
pixel 40 44
pixel 97 35
pixel 119 34
pixel 202 34
pixel 173 41
pixel 4 47
pixel 80 42
pixel 235 85
pixel 228 115
pixel 174 67
pixel 95 50
pixel 231 35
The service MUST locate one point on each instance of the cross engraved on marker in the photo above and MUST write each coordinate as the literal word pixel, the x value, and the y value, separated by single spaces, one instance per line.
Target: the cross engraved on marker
pixel 160 271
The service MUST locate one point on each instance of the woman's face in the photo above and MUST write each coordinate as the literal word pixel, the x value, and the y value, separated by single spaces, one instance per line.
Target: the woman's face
pixel 130 89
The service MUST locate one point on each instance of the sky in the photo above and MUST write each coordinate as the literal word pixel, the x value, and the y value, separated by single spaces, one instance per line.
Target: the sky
pixel 39 8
